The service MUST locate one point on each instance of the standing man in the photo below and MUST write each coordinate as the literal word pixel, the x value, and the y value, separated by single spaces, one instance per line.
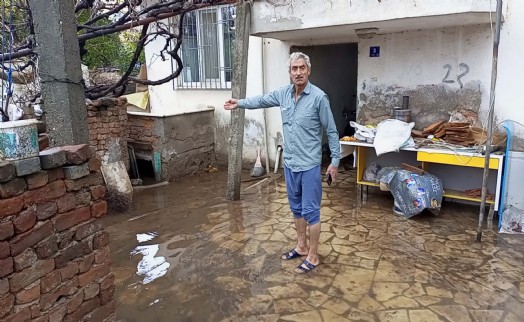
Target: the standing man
pixel 305 114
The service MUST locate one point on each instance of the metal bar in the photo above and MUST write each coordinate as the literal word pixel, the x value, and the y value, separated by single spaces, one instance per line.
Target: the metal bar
pixel 494 66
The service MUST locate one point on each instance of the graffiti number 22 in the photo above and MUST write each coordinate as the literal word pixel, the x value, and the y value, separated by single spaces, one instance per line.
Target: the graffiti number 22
pixel 463 67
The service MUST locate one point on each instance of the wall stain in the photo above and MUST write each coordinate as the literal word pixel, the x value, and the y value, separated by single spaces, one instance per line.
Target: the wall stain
pixel 428 103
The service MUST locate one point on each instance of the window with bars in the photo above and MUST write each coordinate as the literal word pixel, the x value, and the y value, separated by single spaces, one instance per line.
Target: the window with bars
pixel 207 49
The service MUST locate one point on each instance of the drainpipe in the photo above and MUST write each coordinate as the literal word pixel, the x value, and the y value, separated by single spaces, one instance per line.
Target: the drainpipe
pixel 496 42
pixel 264 110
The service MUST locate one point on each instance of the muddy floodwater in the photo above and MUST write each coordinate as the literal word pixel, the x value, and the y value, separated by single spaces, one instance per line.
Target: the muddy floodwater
pixel 184 253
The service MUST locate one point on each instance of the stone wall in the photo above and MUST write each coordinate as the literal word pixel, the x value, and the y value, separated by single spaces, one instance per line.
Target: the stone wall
pixel 54 253
pixel 108 131
pixel 177 146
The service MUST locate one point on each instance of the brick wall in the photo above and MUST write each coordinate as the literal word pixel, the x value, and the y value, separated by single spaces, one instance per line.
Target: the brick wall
pixel 142 132
pixel 54 253
pixel 107 118
pixel 177 145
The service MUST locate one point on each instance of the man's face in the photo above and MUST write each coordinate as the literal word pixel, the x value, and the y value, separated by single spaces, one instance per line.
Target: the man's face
pixel 299 72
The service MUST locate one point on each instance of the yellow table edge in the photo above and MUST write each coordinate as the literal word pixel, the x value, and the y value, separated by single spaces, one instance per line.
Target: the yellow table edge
pixel 459 160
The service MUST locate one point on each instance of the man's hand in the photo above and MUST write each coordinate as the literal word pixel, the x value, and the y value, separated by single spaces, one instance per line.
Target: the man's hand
pixel 333 171
pixel 231 104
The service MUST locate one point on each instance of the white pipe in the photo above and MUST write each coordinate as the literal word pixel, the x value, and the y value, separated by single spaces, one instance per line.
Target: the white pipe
pixel 277 157
pixel 264 111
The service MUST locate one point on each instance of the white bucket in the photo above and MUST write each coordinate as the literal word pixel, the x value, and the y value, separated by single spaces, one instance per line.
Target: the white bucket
pixel 18 140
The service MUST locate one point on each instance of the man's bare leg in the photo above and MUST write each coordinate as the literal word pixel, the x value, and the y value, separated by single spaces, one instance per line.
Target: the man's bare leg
pixel 301 226
pixel 314 238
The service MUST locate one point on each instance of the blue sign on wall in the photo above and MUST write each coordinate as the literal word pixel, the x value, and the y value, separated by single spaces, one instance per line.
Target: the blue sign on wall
pixel 374 51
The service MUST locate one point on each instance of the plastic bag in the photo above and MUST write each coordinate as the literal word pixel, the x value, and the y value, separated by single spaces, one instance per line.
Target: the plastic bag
pixel 413 193
pixel 392 135
pixel 363 133
pixel 512 221
pixel 371 172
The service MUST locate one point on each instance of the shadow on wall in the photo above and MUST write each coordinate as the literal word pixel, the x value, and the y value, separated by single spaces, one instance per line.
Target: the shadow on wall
pixel 428 103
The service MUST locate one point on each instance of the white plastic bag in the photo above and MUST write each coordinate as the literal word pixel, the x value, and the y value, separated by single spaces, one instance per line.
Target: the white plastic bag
pixel 392 135
pixel 512 221
pixel 363 133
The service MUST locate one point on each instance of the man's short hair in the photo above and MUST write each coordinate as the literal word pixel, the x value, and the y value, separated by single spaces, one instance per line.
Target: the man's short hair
pixel 298 55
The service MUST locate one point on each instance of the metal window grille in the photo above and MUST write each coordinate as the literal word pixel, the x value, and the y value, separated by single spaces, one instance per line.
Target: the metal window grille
pixel 207 49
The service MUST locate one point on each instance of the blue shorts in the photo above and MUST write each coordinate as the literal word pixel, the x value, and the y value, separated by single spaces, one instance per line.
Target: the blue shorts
pixel 304 192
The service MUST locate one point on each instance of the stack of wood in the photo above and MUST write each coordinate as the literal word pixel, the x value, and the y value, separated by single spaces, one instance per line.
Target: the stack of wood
pixel 451 132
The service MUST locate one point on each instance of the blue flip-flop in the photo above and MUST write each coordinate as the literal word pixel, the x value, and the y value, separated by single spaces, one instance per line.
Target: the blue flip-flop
pixel 291 254
pixel 308 267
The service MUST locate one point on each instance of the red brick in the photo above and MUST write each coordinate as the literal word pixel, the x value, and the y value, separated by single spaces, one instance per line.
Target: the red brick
pixel 86 263
pixel 43 318
pixel 49 192
pixel 107 295
pixel 11 206
pixel 65 238
pixel 12 188
pixel 98 209
pixel 4 250
pixel 98 192
pixel 77 154
pixel 75 250
pixel 25 259
pixel 22 315
pixel 69 271
pixel 88 229
pixel 47 247
pixel 28 294
pixel 91 290
pixel 102 312
pixel 102 255
pixel 66 203
pixel 6 266
pixel 48 300
pixel 83 198
pixel 50 282
pixel 36 180
pixel 6 304
pixel 4 286
pixel 57 314
pixel 93 274
pixel 21 242
pixel 100 240
pixel 25 220
pixel 46 211
pixel 75 301
pixel 94 179
pixel 26 277
pixel 70 219
pixel 36 313
pixel 55 174
pixel 6 230
pixel 95 164
pixel 107 282
pixel 84 309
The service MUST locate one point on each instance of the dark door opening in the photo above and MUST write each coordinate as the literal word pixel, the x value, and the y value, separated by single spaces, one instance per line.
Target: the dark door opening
pixel 334 69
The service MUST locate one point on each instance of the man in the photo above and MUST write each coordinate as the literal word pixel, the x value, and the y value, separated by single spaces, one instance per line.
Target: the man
pixel 305 112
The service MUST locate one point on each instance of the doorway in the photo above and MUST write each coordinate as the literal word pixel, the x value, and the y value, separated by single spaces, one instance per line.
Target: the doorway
pixel 334 69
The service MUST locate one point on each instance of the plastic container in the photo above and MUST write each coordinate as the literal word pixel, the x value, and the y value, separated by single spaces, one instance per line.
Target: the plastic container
pixel 18 140
pixel 515 192
pixel 402 115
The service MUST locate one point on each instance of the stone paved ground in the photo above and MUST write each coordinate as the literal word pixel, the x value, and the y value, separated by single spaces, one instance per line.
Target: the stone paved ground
pixel 185 254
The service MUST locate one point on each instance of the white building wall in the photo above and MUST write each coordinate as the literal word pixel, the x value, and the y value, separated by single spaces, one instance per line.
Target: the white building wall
pixel 440 70
pixel 510 84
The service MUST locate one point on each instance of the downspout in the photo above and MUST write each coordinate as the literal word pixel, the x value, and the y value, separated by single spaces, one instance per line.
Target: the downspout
pixel 491 113
pixel 264 110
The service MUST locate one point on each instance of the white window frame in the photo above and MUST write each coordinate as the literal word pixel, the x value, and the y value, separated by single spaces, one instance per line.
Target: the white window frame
pixel 206 83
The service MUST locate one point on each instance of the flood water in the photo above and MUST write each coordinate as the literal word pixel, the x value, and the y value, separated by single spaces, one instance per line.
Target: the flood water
pixel 184 253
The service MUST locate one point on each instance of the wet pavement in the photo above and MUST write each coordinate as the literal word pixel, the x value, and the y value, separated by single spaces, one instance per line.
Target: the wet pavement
pixel 184 253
